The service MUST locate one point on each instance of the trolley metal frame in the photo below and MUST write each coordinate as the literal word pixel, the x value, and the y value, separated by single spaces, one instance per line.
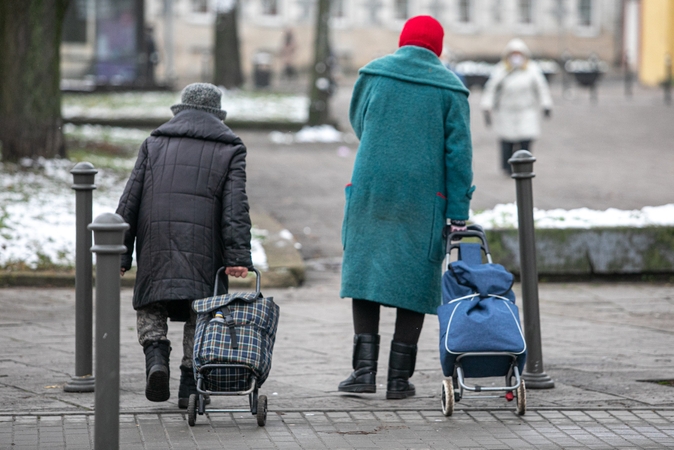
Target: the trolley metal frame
pixel 197 402
pixel 453 388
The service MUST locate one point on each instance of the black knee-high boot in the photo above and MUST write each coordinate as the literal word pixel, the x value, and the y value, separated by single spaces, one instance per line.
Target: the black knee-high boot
pixel 365 355
pixel 157 371
pixel 401 363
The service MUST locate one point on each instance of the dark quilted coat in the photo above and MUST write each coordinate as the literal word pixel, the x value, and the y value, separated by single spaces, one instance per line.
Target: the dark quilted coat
pixel 187 208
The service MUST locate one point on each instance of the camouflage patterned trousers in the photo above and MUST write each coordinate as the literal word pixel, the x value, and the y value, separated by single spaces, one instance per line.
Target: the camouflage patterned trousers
pixel 152 325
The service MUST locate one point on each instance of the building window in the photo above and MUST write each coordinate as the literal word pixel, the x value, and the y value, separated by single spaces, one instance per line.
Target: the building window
pixel 337 7
pixel 373 7
pixel 585 13
pixel 497 11
pixel 270 7
pixel 401 9
pixel 525 11
pixel 306 7
pixel 465 11
pixel 75 22
pixel 437 8
pixel 199 6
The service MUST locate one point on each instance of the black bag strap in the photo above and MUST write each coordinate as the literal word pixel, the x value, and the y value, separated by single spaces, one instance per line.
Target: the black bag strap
pixel 229 321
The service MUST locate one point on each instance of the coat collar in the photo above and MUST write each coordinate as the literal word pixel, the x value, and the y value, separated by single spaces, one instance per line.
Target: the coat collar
pixel 196 124
pixel 416 65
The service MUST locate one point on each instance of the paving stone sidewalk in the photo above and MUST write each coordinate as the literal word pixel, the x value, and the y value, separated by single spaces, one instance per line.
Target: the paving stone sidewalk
pixel 600 342
pixel 357 430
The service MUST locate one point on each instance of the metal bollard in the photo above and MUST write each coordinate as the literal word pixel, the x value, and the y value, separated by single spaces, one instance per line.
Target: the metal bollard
pixel 108 231
pixel 522 163
pixel 629 78
pixel 83 184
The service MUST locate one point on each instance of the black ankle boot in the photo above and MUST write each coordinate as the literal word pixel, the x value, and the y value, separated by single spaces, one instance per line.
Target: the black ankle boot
pixel 188 386
pixel 365 354
pixel 400 368
pixel 157 371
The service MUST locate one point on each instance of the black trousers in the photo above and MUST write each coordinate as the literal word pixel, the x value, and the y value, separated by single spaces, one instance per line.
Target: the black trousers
pixel 507 150
pixel 366 321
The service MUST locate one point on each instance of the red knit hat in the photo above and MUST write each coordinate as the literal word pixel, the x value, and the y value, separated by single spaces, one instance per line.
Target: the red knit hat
pixel 423 31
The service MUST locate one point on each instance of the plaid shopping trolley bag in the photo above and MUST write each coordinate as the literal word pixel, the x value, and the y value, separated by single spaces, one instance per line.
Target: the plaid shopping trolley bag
pixel 234 339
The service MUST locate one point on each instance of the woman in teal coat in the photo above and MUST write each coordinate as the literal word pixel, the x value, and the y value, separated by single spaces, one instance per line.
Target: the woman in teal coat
pixel 412 173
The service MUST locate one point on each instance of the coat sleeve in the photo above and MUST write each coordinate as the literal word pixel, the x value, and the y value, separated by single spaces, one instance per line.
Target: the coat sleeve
pixel 359 103
pixel 489 93
pixel 458 158
pixel 129 204
pixel 235 213
pixel 543 89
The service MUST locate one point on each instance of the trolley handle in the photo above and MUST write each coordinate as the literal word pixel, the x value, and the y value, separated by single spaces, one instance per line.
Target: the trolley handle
pixel 475 231
pixel 252 269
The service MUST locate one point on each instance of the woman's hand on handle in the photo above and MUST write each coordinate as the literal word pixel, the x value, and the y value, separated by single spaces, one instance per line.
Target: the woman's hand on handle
pixel 237 272
pixel 457 225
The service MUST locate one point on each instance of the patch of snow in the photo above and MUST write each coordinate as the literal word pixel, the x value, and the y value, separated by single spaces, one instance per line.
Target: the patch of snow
pixel 156 105
pixel 286 234
pixel 319 133
pixel 258 254
pixel 37 214
pixel 505 216
pixel 100 133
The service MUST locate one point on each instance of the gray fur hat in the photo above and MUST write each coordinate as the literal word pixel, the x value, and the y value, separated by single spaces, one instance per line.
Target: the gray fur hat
pixel 202 96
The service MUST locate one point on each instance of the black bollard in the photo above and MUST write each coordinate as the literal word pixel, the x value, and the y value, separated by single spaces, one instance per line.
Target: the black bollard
pixel 108 231
pixel 629 78
pixel 522 163
pixel 83 184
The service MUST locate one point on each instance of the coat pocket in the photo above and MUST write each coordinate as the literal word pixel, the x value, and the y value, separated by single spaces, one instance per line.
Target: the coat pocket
pixel 436 250
pixel 345 222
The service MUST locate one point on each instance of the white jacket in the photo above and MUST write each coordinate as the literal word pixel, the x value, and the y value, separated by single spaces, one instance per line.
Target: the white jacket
pixel 515 97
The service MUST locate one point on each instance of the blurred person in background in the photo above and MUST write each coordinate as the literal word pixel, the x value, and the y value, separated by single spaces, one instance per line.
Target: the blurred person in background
pixel 514 97
pixel 287 53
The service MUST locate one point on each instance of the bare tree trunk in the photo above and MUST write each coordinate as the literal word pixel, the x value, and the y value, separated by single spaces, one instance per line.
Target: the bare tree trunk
pixel 321 77
pixel 226 52
pixel 30 96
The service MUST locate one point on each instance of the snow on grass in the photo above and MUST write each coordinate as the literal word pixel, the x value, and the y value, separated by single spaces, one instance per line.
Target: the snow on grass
pixel 319 133
pixel 37 213
pixel 105 134
pixel 505 216
pixel 37 207
pixel 240 105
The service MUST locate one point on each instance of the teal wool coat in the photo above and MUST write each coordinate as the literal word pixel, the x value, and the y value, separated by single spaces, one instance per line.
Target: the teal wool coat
pixel 411 173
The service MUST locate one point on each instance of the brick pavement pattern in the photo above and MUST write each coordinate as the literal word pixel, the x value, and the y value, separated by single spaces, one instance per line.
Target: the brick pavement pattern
pixel 542 430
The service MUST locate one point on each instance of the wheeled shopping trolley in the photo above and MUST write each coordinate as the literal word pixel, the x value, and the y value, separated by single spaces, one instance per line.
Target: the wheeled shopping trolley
pixel 233 344
pixel 480 332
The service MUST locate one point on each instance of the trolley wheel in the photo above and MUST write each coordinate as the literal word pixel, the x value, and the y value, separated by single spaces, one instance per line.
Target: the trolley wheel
pixel 262 410
pixel 521 399
pixel 192 410
pixel 447 397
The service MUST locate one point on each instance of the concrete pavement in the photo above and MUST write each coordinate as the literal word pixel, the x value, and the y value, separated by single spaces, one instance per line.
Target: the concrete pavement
pixel 604 345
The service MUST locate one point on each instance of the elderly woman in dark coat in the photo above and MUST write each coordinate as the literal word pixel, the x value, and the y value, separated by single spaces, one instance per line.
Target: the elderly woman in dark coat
pixel 412 173
pixel 187 208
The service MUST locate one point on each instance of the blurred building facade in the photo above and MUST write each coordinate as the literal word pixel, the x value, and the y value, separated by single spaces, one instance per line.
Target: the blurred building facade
pixel 657 41
pixel 183 31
